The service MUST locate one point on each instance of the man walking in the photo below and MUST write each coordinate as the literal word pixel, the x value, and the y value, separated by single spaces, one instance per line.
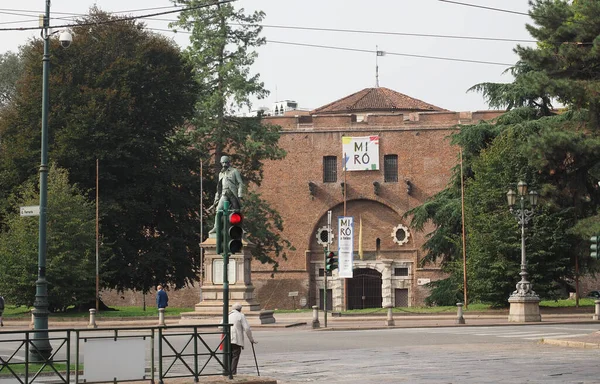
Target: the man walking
pixel 239 325
pixel 162 299
pixel 1 310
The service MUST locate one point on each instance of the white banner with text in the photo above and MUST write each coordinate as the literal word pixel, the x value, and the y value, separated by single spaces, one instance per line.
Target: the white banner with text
pixel 346 245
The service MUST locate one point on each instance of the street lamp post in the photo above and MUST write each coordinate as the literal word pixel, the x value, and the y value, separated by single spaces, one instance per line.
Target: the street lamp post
pixel 524 302
pixel 42 349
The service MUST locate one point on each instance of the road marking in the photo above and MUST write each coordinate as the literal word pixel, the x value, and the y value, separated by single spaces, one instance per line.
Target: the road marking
pixel 535 335
pixel 562 336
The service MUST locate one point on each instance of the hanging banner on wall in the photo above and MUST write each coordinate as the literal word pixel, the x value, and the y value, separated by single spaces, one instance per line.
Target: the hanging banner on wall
pixel 346 246
pixel 361 153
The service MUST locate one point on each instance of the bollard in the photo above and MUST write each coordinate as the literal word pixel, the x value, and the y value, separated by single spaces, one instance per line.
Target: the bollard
pixel 32 324
pixel 390 317
pixel 315 321
pixel 460 319
pixel 597 310
pixel 161 316
pixel 92 323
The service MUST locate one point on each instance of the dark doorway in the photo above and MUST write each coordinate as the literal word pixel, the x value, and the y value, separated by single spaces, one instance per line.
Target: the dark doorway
pixel 364 289
pixel 401 299
pixel 329 299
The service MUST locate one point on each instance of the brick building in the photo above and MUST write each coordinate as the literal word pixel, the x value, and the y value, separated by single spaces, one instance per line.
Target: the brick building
pixel 414 160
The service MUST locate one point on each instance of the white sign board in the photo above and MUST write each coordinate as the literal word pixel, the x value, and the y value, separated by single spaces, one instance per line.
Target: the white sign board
pixel 346 246
pixel 33 210
pixel 217 271
pixel 114 360
pixel 361 153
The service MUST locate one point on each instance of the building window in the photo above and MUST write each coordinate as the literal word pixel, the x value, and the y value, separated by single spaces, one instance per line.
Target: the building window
pixel 329 169
pixel 390 168
pixel 400 271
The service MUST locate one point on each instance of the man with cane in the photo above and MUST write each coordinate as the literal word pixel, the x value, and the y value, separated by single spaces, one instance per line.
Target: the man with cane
pixel 239 326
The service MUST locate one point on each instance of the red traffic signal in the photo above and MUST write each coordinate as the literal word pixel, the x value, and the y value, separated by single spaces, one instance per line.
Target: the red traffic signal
pixel 236 218
pixel 235 232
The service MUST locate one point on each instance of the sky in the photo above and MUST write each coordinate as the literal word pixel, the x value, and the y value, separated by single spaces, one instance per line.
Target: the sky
pixel 313 65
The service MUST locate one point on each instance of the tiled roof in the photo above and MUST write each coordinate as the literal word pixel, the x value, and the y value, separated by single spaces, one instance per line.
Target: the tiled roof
pixel 376 99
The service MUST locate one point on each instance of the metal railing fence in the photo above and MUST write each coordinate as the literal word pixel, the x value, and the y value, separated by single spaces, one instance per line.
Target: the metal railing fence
pixel 169 352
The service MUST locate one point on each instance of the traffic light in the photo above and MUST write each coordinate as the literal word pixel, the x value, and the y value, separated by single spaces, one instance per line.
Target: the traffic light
pixel 331 262
pixel 235 232
pixel 595 247
pixel 219 232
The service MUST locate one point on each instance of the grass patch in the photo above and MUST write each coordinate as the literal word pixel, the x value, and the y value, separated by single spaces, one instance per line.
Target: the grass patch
pixel 567 303
pixel 19 368
pixel 13 312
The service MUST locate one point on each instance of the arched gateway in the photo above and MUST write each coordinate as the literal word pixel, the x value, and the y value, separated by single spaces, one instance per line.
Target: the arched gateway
pixel 364 289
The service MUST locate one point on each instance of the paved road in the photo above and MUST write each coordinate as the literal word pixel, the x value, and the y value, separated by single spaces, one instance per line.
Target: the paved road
pixel 424 355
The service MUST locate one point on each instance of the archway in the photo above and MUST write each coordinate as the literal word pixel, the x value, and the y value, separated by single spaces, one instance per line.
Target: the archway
pixel 364 289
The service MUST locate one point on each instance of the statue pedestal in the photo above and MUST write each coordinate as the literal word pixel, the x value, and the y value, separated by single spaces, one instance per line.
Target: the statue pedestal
pixel 524 309
pixel 241 289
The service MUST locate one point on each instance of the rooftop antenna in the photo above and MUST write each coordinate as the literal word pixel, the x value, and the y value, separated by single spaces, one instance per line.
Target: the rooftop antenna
pixel 378 53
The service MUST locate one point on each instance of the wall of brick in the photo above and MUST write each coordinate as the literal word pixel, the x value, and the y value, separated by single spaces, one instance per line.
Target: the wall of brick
pixel 425 158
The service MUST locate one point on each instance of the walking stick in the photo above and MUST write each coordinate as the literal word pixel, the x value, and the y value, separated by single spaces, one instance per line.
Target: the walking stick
pixel 256 362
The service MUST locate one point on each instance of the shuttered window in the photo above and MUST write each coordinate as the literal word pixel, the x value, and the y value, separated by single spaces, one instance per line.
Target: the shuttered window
pixel 329 169
pixel 390 168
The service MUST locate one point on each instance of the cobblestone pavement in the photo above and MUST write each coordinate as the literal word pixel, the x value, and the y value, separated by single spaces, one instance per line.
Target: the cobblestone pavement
pixel 452 364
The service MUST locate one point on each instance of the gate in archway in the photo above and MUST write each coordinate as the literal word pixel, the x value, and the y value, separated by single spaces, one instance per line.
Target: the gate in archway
pixel 364 289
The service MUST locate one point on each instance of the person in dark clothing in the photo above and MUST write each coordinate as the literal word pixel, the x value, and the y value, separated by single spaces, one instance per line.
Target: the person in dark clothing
pixel 162 299
pixel 1 310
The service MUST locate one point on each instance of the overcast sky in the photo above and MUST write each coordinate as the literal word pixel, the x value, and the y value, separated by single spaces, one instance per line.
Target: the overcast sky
pixel 293 68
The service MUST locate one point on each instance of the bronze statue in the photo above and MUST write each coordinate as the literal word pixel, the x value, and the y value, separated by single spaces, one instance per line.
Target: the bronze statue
pixel 229 188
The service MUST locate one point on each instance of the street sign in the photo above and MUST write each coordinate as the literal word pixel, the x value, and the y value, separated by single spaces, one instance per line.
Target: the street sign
pixel 33 210
pixel 293 294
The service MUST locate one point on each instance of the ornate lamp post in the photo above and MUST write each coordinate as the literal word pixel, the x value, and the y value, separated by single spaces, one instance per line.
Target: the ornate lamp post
pixel 524 302
pixel 42 349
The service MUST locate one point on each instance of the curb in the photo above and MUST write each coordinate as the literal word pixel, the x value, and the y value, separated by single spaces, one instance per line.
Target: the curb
pixel 571 343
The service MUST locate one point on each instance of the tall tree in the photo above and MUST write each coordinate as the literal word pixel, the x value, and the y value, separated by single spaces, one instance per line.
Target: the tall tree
pixel 10 71
pixel 70 261
pixel 222 48
pixel 119 94
pixel 557 152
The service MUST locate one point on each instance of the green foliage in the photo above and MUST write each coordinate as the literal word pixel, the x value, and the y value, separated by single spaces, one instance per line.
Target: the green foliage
pixel 561 67
pixel 222 49
pixel 555 153
pixel 446 292
pixel 70 238
pixel 119 94
pixel 10 71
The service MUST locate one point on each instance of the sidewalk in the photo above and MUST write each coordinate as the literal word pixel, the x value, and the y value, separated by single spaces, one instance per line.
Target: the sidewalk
pixel 357 322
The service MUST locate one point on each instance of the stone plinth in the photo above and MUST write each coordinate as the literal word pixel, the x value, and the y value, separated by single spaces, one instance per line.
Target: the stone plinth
pixel 241 289
pixel 524 309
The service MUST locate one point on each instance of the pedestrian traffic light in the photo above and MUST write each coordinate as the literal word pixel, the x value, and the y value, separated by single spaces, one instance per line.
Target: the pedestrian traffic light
pixel 595 247
pixel 219 232
pixel 331 262
pixel 235 232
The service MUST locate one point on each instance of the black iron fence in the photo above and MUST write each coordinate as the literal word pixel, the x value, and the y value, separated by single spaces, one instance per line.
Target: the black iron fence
pixel 98 355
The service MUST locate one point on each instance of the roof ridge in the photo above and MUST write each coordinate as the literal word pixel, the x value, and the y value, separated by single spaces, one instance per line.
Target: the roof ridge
pixel 385 94
pixel 367 93
pixel 376 99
